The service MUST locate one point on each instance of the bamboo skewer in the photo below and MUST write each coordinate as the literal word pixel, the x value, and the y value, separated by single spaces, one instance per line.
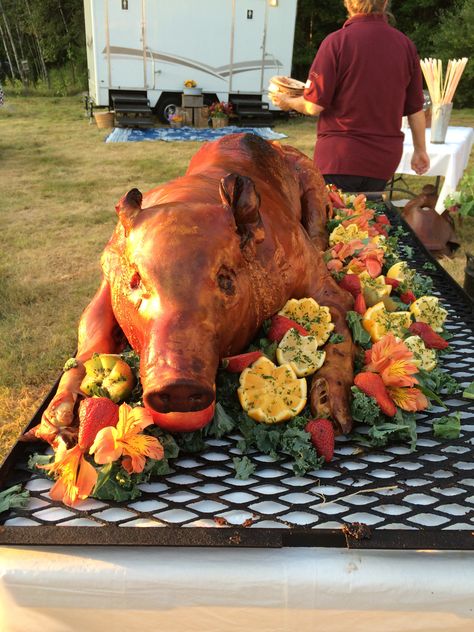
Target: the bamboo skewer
pixel 442 91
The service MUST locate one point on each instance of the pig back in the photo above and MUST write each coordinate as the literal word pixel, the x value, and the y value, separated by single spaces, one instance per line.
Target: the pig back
pixel 251 156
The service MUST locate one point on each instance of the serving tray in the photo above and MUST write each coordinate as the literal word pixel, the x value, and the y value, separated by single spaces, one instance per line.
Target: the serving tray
pixel 380 498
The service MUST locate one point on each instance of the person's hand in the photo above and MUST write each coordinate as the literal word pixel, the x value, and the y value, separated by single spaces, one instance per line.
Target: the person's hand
pixel 420 162
pixel 280 100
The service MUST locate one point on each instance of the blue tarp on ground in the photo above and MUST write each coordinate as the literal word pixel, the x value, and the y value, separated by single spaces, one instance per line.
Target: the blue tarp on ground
pixel 127 134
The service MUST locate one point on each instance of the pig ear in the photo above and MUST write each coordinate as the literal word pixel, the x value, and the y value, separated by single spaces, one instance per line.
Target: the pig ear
pixel 238 193
pixel 128 208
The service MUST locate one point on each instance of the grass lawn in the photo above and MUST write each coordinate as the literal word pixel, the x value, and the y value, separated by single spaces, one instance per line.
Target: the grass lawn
pixel 60 185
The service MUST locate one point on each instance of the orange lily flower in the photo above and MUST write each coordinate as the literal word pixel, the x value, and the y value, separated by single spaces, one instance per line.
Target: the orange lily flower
pixel 334 264
pixel 361 220
pixel 342 251
pixel 76 477
pixel 359 204
pixel 356 266
pixel 127 440
pixel 400 373
pixel 392 359
pixel 410 399
pixel 372 259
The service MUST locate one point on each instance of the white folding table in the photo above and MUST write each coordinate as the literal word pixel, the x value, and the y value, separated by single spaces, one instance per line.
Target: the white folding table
pixel 448 159
pixel 65 589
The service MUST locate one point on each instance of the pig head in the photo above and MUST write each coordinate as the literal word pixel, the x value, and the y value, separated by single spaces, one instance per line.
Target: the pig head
pixel 181 289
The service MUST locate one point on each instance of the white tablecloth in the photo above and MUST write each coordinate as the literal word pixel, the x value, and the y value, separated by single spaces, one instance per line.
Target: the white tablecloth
pixel 448 159
pixel 97 589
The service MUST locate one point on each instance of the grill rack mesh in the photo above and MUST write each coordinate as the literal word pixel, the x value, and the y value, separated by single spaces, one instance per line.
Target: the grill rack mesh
pixel 423 499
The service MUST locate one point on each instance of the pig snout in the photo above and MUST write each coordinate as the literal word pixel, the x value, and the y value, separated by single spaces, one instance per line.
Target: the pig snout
pixel 179 368
pixel 179 395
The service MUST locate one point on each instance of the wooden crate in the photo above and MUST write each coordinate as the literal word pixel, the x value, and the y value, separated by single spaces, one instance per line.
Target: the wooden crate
pixel 192 101
pixel 201 117
pixel 188 114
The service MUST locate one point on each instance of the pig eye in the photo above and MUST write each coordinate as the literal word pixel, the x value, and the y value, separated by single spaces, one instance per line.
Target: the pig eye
pixel 135 281
pixel 226 281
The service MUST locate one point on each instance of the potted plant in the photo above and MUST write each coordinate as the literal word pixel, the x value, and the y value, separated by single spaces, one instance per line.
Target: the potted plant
pixel 219 113
pixel 190 88
pixel 176 119
pixel 461 201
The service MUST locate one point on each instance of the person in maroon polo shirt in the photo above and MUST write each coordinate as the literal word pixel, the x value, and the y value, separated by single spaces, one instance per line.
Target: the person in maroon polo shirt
pixel 365 77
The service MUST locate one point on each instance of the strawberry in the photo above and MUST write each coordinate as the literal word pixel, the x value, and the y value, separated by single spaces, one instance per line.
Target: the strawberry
pixel 95 413
pixel 322 437
pixel 382 219
pixel 372 385
pixel 393 282
pixel 431 339
pixel 379 229
pixel 280 325
pixel 407 297
pixel 236 364
pixel 360 305
pixel 351 283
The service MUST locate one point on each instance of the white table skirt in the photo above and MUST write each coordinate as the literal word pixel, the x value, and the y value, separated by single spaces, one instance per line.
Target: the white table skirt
pixel 448 159
pixel 97 589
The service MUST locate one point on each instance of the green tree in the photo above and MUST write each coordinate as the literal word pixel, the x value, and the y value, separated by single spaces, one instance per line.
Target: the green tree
pixel 419 19
pixel 314 20
pixel 453 39
pixel 48 35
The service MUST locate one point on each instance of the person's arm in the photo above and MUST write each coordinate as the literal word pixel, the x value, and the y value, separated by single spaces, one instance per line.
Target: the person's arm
pixel 420 161
pixel 299 104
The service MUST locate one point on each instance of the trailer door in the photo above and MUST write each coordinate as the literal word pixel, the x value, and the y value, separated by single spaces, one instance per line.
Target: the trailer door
pixel 249 22
pixel 124 44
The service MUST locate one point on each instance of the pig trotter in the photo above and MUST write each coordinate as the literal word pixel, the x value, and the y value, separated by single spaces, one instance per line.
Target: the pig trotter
pixel 330 399
pixel 58 418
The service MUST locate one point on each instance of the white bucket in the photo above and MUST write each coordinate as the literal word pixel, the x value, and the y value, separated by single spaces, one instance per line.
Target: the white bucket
pixel 440 116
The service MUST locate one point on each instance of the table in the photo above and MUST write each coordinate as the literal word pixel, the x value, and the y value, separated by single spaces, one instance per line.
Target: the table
pixel 448 159
pixel 172 589
pixel 61 589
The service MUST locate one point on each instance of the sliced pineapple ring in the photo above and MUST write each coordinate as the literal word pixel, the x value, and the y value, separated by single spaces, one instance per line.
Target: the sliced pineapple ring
pixel 301 352
pixel 271 394
pixel 315 318
pixel 423 358
pixel 345 234
pixel 427 309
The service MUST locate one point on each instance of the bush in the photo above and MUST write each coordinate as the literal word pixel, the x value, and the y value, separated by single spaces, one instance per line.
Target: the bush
pixel 62 82
pixel 454 38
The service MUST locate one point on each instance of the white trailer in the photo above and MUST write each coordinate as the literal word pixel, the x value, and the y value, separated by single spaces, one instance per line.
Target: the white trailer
pixel 230 48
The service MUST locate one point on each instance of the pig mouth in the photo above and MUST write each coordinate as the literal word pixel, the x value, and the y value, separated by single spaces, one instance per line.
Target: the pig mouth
pixel 179 396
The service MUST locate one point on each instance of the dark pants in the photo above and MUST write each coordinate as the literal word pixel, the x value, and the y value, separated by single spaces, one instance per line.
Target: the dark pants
pixel 355 184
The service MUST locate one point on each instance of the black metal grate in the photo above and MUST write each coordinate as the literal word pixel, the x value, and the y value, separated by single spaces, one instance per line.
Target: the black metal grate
pixel 423 499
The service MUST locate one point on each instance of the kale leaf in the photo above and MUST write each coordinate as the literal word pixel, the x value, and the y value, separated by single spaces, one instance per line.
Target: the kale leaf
pixel 447 427
pixel 244 468
pixel 359 335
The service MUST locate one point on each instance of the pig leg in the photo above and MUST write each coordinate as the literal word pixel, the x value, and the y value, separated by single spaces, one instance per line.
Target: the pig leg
pixel 99 332
pixel 316 207
pixel 331 385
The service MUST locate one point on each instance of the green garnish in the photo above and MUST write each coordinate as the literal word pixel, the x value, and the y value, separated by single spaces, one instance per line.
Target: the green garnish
pixel 71 363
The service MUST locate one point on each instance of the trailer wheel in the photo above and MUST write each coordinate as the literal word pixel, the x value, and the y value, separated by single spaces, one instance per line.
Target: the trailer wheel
pixel 167 105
